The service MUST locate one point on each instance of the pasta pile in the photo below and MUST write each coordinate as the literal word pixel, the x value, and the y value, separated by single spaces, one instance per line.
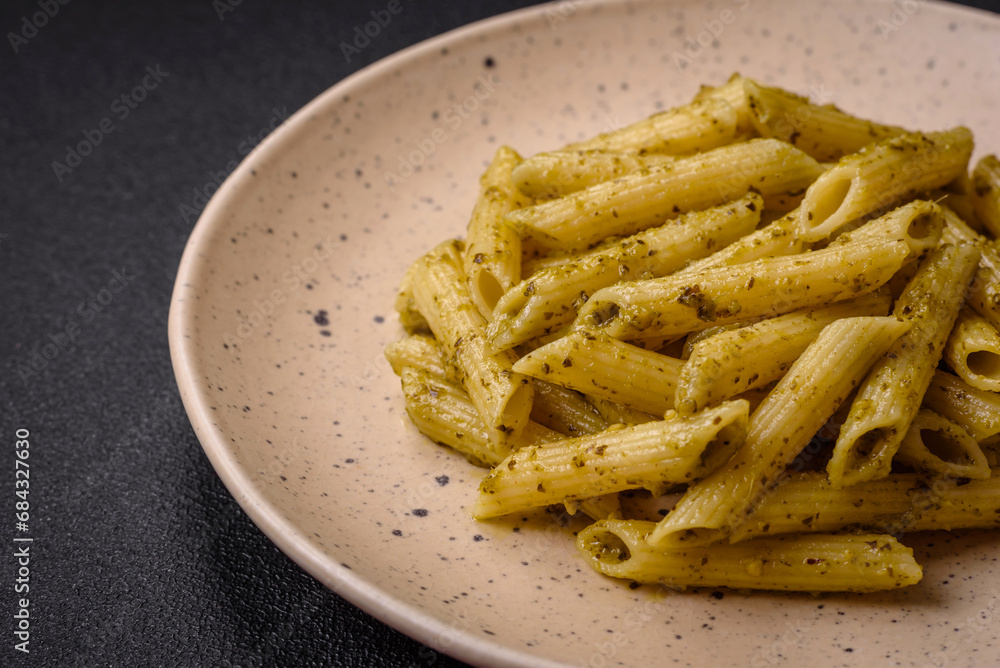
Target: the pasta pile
pixel 784 314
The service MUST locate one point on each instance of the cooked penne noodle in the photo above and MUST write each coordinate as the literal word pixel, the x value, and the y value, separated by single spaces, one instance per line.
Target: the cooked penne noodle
pixel 603 367
pixel 565 411
pixel 881 176
pixel 961 205
pixel 502 397
pixel 975 411
pixel 699 126
pixel 959 196
pixel 444 413
pixel 647 198
pixel 775 239
pixel 686 312
pixel 823 132
pixel 732 362
pixel 973 351
pixel 813 563
pixel 812 390
pixel 675 305
pixel 655 455
pixel 420 352
pixel 605 507
pixel 783 203
pixel 986 193
pixel 770 240
pixel 734 94
pixel 940 446
pixel 492 257
pixel 692 339
pixel 984 293
pixel 616 413
pixel 898 503
pixel 897 284
pixel 560 173
pixel 548 299
pixel 409 317
pixel 890 396
pixel 920 223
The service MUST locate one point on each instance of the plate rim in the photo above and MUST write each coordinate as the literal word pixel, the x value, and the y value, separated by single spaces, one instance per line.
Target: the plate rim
pixel 400 615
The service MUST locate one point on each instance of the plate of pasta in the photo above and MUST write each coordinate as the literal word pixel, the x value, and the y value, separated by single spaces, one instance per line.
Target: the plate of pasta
pixel 604 332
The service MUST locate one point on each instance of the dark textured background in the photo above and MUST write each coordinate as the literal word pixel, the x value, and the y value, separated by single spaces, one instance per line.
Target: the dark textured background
pixel 141 556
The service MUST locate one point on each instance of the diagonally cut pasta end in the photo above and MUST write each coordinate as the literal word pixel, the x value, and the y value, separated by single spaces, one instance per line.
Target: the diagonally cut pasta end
pixel 604 547
pixel 862 454
pixel 486 291
pixel 821 212
pixel 514 415
pixel 732 431
pixel 938 445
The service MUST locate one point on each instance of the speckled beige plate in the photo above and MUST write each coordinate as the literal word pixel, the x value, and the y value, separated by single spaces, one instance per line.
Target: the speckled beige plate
pixel 283 305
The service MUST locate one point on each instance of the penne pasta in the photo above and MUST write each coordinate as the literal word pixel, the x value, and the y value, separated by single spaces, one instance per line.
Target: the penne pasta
pixel 502 397
pixel 973 351
pixel 606 368
pixel 775 239
pixel 492 257
pixel 731 362
pixel 881 176
pixel 547 300
pixel 936 445
pixel 565 411
pixel 409 317
pixel 699 126
pixel 675 305
pixel 823 132
pixel 695 305
pixel 985 193
pixel 898 503
pixel 423 352
pixel 561 173
pixel 818 382
pixel 647 198
pixel 890 396
pixel 732 93
pixel 655 455
pixel 976 411
pixel 605 507
pixel 444 413
pixel 814 563
pixel 615 413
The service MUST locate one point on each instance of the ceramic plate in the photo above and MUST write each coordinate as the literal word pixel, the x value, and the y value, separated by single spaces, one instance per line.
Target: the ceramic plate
pixel 283 305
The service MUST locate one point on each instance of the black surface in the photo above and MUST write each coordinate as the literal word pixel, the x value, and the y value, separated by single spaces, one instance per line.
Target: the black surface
pixel 140 555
